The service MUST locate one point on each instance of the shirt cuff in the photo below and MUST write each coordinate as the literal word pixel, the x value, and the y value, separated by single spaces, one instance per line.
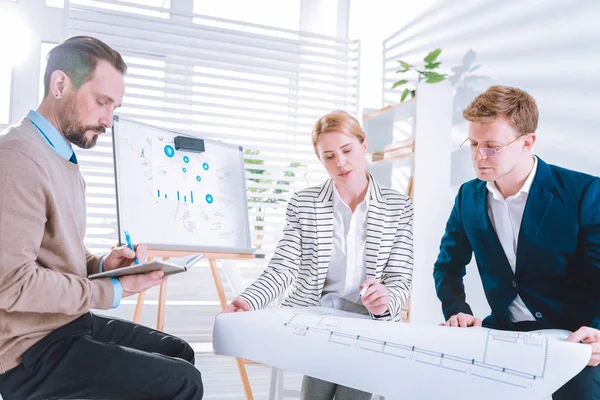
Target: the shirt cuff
pixel 118 292
pixel 100 264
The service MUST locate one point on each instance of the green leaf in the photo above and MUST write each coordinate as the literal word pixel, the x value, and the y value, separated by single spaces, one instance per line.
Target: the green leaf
pixel 405 65
pixel 399 83
pixel 431 57
pixel 404 94
pixel 434 77
pixel 433 65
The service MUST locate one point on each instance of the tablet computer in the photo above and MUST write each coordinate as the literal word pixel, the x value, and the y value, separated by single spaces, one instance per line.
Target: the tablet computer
pixel 168 269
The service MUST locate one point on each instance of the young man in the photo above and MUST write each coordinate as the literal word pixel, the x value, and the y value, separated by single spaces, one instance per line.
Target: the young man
pixel 51 346
pixel 534 229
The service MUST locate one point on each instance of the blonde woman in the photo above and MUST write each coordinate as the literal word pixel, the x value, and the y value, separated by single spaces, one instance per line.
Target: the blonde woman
pixel 341 236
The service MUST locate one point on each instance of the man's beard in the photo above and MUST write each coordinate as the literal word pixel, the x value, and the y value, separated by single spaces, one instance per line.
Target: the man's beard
pixel 74 132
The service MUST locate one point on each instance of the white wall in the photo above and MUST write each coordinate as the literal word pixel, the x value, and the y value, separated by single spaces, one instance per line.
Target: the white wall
pixel 547 47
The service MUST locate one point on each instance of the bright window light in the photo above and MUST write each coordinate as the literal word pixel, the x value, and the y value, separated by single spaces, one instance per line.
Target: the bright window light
pixel 55 3
pixel 280 14
pixel 12 25
pixel 14 52
pixel 133 8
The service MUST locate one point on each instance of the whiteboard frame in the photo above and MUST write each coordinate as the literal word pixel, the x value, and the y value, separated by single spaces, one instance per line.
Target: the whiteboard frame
pixel 157 246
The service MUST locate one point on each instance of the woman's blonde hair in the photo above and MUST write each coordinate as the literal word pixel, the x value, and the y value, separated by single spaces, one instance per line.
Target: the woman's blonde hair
pixel 337 121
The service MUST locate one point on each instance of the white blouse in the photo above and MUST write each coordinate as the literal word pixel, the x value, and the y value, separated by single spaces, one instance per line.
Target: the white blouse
pixel 347 268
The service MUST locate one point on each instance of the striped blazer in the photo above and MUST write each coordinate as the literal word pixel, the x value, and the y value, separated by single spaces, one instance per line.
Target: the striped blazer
pixel 302 256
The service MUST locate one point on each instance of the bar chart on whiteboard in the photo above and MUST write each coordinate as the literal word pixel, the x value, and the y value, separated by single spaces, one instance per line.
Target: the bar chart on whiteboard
pixel 177 177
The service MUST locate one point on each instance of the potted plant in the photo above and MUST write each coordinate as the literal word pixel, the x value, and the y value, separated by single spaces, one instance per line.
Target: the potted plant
pixel 426 73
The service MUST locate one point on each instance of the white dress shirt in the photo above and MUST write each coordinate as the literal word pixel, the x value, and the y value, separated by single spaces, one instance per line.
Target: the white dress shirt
pixel 347 268
pixel 506 216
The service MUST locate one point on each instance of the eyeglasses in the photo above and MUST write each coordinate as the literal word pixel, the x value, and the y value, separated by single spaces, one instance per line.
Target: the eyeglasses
pixel 487 151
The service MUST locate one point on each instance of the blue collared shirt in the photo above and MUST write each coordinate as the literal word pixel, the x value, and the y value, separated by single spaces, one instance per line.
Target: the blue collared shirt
pixel 58 142
pixel 54 138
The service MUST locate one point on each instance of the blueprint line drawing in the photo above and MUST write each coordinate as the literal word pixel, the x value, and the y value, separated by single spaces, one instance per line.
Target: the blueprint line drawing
pixel 400 360
pixel 495 352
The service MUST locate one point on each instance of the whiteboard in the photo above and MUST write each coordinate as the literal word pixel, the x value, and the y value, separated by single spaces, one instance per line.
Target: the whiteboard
pixel 179 200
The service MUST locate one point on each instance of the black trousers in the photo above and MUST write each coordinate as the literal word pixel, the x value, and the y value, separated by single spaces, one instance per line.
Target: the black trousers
pixel 584 386
pixel 103 358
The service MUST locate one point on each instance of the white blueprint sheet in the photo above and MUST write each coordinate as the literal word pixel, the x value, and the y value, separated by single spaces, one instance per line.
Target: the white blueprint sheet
pixel 402 361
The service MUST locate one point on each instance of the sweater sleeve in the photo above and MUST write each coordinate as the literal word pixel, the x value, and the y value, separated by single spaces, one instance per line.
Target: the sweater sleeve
pixel 93 262
pixel 25 285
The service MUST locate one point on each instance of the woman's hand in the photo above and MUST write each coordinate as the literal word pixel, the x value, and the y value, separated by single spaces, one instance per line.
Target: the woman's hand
pixel 375 297
pixel 237 305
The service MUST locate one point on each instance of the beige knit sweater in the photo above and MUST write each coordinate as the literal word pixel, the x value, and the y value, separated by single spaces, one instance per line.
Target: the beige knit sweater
pixel 43 261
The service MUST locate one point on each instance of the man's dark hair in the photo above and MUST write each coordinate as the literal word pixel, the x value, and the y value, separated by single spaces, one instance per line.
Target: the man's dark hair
pixel 77 57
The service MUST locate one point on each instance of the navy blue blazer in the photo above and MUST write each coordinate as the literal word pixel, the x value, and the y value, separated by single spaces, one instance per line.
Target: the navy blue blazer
pixel 558 252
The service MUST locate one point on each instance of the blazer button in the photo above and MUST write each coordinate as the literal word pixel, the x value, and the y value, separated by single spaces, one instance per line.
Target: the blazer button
pixel 538 315
pixel 514 284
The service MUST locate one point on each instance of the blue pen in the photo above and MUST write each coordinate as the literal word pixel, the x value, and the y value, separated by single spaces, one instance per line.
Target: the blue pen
pixel 128 239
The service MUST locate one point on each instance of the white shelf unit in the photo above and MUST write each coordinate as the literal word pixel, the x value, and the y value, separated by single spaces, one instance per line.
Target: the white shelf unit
pixel 384 128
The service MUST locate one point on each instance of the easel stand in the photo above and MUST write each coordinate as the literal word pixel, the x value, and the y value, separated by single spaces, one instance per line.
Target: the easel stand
pixel 162 297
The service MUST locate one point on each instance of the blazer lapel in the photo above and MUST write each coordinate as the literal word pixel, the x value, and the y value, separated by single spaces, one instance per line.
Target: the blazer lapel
pixel 326 192
pixel 323 213
pixel 481 210
pixel 375 224
pixel 539 200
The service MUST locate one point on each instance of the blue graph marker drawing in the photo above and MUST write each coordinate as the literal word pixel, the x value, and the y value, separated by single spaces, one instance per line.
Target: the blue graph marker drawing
pixel 198 178
pixel 165 196
pixel 185 199
pixel 192 197
pixel 186 159
pixel 178 196
pixel 169 151
pixel 184 169
pixel 209 199
pixel 159 193
pixel 205 166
